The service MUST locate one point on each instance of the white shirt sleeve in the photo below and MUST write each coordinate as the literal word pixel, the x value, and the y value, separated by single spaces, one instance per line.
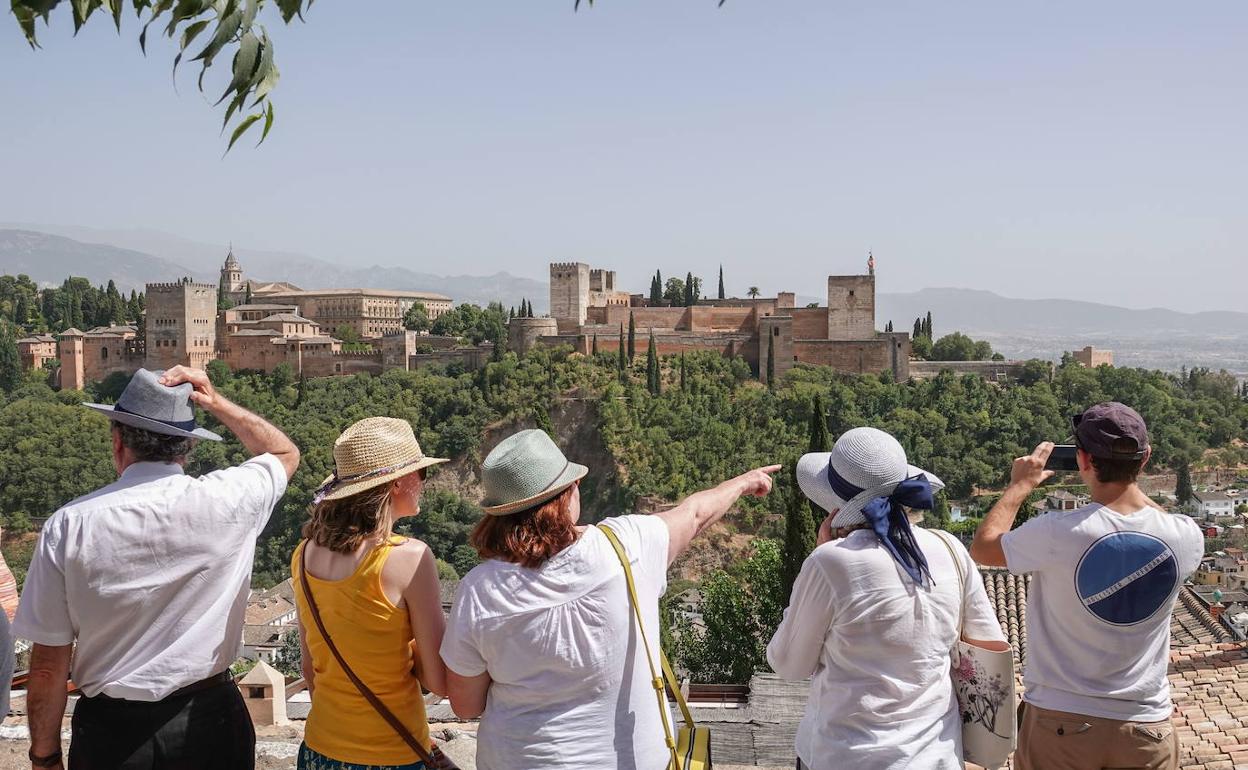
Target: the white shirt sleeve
pixel 979 620
pixel 43 612
pixel 1030 548
pixel 459 649
pixel 646 540
pixel 1193 546
pixel 256 486
pixel 795 648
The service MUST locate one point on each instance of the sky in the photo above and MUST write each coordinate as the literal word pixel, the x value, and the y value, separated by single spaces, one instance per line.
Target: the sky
pixel 1090 151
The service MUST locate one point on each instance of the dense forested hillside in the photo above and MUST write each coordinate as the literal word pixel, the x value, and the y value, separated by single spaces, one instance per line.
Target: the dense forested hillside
pixel 710 420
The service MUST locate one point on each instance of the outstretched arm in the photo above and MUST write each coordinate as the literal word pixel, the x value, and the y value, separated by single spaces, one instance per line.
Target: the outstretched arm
pixel 702 509
pixel 258 435
pixel 1027 474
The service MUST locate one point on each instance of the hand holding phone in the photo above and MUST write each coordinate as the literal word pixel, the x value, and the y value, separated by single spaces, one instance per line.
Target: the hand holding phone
pixel 1063 459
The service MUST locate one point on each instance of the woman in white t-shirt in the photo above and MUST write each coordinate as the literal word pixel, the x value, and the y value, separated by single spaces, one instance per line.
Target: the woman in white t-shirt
pixel 541 643
pixel 874 616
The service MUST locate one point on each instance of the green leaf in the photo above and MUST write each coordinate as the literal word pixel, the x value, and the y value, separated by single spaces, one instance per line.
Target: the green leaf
pixel 227 27
pixel 244 66
pixel 247 123
pixel 268 123
pixel 266 61
pixel 290 9
pixel 192 31
pixel 82 9
pixel 235 104
pixel 249 13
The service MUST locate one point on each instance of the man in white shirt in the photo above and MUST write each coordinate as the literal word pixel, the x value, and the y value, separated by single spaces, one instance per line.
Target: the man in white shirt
pixel 150 577
pixel 1104 580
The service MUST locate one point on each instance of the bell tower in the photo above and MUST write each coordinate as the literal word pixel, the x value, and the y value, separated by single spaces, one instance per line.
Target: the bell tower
pixel 232 273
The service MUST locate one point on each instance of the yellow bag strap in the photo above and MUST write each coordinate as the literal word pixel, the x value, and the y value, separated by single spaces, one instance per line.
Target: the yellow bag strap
pixel 656 680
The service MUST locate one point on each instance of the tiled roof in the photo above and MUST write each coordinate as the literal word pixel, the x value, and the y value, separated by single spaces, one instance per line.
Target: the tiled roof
pixel 1007 594
pixel 1209 685
pixel 265 636
pixel 1192 624
pixel 288 317
pixel 266 611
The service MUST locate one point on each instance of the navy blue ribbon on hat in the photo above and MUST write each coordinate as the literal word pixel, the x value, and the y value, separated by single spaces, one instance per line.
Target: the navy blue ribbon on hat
pixel 888 519
pixel 186 425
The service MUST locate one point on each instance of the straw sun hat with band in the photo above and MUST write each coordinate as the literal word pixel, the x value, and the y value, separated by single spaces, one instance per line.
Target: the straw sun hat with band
pixel 372 452
pixel 866 480
pixel 525 470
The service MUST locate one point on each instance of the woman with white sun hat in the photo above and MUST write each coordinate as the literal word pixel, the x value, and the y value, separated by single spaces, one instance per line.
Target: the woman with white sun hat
pixel 874 615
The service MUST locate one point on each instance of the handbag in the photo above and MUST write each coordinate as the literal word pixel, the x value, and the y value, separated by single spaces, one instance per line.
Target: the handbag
pixel 983 681
pixel 434 759
pixel 691 750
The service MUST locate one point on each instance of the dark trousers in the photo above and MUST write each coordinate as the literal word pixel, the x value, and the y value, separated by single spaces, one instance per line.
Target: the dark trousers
pixel 205 730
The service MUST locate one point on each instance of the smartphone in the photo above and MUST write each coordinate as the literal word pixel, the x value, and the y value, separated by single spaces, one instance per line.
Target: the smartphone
pixel 1062 459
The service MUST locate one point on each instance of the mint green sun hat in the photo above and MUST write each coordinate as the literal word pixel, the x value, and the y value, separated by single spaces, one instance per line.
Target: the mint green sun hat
pixel 525 470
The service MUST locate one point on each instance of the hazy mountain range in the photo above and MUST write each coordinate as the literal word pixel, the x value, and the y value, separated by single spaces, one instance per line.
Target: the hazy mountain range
pixel 1019 328
pixel 49 253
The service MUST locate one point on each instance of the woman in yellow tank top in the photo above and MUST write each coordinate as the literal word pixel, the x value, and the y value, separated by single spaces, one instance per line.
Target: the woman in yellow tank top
pixel 378 599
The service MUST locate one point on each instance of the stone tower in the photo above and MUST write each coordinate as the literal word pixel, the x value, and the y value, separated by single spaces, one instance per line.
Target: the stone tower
pixel 231 274
pixel 851 307
pixel 569 291
pixel 264 693
pixel 69 344
pixel 181 324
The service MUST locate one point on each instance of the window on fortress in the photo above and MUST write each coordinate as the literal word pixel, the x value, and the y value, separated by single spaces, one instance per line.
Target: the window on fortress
pixel 104 353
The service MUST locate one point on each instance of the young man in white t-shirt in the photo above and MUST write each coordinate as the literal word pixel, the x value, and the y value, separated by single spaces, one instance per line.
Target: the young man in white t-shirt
pixel 1104 582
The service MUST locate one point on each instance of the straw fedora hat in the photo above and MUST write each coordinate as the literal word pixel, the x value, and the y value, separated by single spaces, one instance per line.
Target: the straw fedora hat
pixel 524 470
pixel 865 463
pixel 372 452
pixel 147 404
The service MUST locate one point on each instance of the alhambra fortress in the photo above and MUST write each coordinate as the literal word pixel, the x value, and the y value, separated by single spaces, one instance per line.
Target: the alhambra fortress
pixel 267 324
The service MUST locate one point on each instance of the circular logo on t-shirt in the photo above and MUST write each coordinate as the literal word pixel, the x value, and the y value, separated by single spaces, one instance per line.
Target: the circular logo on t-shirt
pixel 1125 577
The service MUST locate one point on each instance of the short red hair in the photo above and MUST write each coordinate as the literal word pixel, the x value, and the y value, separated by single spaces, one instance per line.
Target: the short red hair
pixel 527 537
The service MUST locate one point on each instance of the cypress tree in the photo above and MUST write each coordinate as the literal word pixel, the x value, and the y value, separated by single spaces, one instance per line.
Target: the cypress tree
pixel 10 361
pixel 656 288
pixel 22 311
pixel 75 312
pixel 632 338
pixel 771 365
pixel 928 326
pixel 918 329
pixel 1183 487
pixel 620 364
pixel 690 295
pixel 684 384
pixel 800 532
pixel 511 313
pixel 652 368
pixel 721 282
pixel 819 442
pixel 247 297
pixel 593 351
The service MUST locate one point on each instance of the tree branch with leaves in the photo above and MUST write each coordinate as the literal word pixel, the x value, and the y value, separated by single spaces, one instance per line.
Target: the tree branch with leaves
pixel 226 26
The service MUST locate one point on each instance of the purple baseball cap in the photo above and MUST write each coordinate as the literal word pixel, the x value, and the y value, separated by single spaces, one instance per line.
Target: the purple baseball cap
pixel 1112 431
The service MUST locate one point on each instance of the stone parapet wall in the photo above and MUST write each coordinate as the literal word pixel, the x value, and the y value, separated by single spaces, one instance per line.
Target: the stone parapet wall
pixel 868 356
pixel 992 371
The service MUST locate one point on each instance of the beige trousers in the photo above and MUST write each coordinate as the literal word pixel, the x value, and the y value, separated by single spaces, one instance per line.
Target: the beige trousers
pixel 1057 740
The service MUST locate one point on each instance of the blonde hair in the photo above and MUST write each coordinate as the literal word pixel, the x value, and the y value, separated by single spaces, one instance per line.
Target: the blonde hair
pixel 342 525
